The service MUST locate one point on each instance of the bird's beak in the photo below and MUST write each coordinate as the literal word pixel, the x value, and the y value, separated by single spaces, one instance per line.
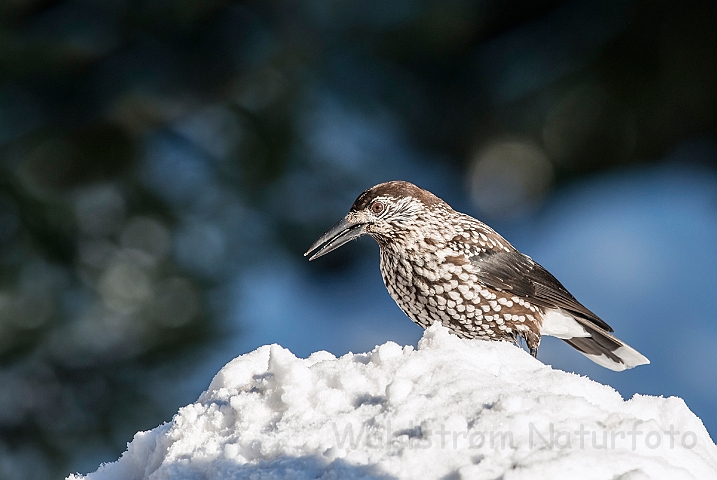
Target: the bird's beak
pixel 342 232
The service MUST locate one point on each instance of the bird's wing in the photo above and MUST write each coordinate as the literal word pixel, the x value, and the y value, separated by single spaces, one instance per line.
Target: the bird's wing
pixel 519 274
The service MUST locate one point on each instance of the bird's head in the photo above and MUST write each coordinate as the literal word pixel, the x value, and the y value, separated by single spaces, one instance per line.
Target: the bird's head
pixel 386 211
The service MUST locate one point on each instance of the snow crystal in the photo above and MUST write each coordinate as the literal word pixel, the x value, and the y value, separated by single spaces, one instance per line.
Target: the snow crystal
pixel 451 408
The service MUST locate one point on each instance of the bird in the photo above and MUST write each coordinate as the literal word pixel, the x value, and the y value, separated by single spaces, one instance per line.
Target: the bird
pixel 440 265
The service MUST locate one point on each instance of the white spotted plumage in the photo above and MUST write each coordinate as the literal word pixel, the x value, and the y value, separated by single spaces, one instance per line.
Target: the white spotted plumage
pixel 440 265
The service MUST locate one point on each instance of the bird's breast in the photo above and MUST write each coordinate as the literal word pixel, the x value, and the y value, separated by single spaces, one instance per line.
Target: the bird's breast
pixel 442 285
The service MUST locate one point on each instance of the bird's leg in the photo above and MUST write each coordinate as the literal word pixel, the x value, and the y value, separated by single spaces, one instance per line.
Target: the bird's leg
pixel 533 342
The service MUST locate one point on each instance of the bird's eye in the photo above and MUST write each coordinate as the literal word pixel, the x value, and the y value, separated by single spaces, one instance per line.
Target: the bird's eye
pixel 377 208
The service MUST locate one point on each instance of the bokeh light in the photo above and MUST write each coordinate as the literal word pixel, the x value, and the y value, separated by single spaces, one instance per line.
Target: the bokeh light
pixel 509 176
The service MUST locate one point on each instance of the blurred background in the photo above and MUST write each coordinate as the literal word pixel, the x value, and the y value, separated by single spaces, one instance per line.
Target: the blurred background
pixel 165 163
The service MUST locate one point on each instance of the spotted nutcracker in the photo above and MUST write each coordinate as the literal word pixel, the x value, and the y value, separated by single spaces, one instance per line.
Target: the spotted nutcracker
pixel 440 265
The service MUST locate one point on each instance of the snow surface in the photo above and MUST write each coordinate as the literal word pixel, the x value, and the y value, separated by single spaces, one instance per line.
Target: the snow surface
pixel 450 409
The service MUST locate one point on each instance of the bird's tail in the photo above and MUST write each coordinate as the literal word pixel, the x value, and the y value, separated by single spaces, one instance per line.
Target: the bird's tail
pixel 605 349
pixel 592 341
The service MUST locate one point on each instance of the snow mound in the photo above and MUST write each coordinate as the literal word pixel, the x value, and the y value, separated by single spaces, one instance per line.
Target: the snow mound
pixel 451 409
